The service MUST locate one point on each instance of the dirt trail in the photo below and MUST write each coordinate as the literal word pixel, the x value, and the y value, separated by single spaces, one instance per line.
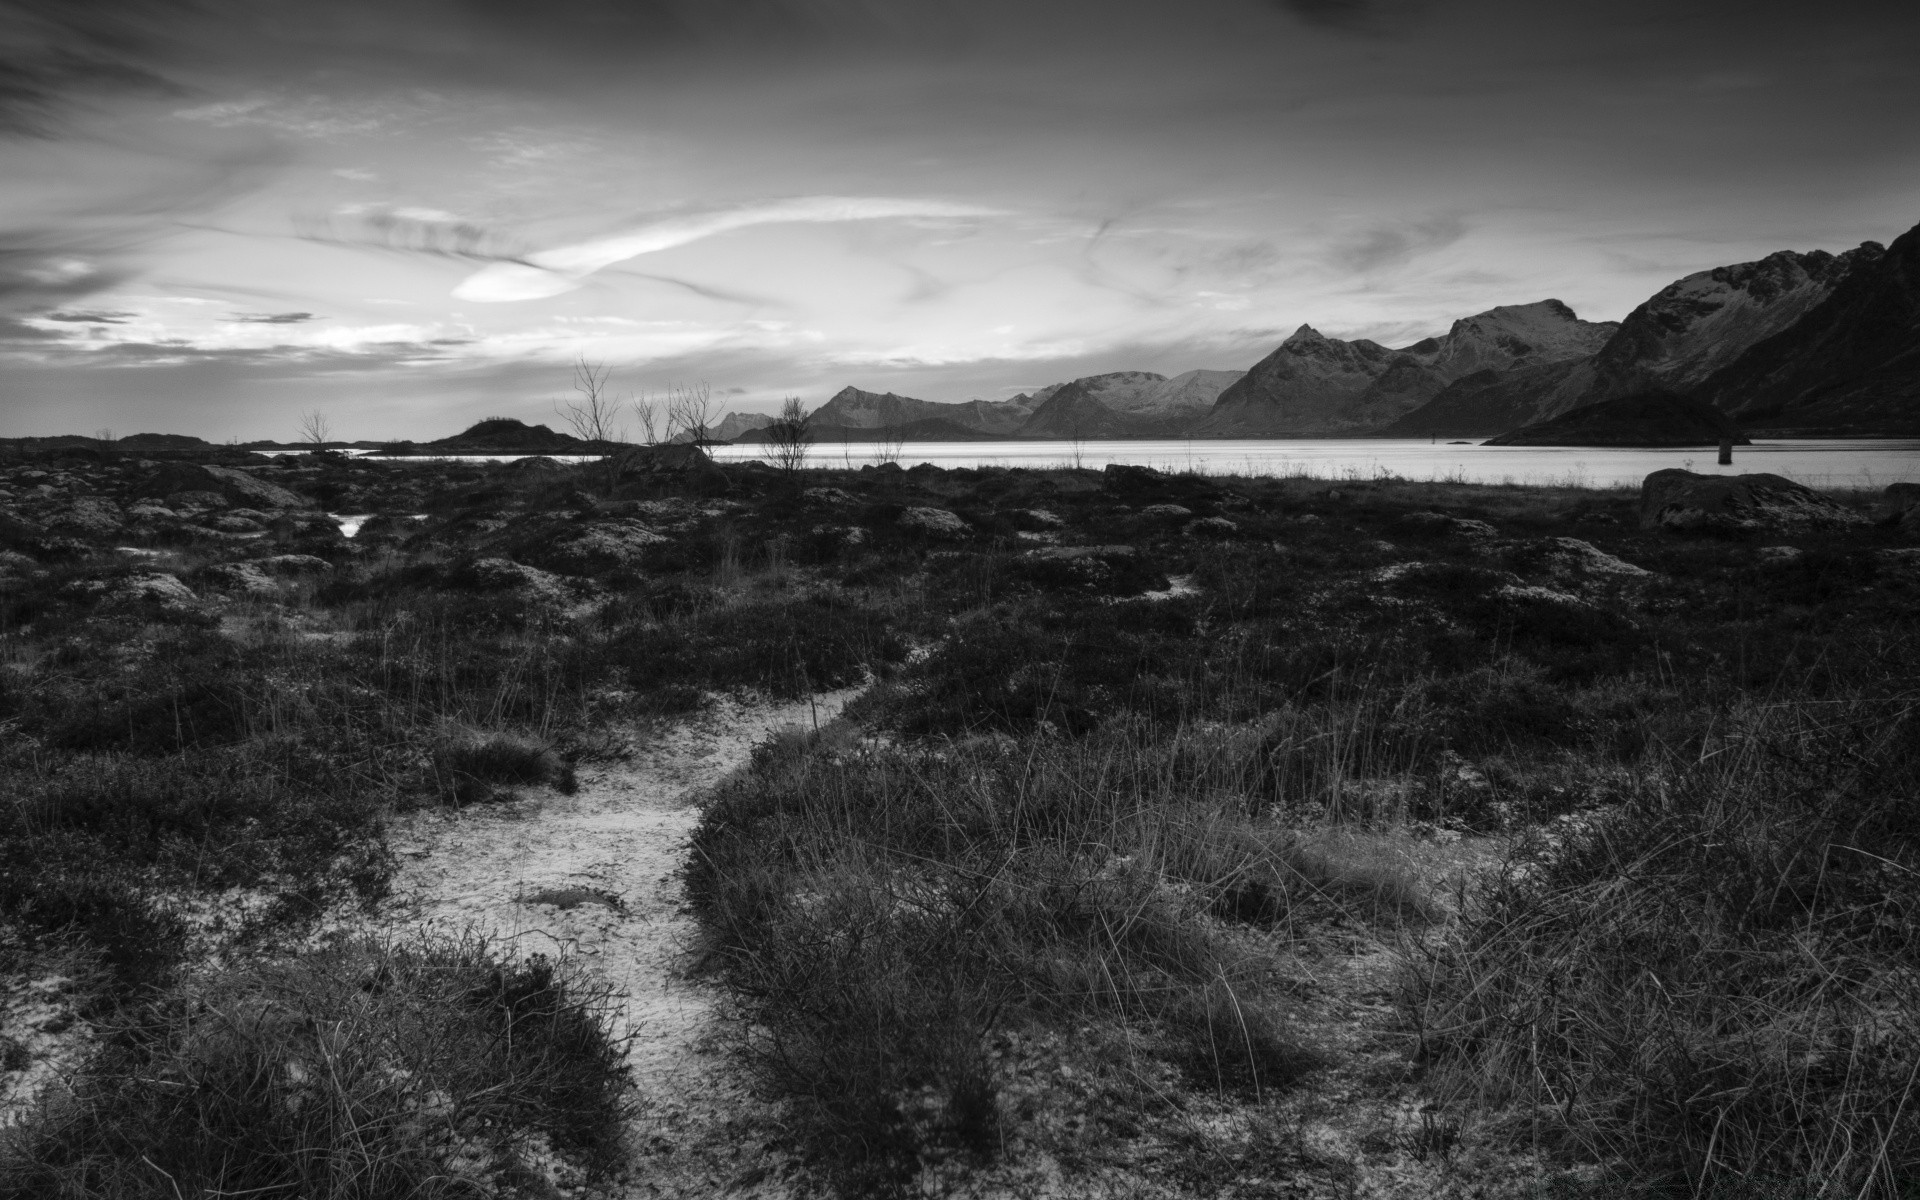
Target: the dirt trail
pixel 598 874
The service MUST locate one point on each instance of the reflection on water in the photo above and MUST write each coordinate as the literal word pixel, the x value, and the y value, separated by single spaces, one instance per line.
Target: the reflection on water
pixel 1825 463
pixel 1830 462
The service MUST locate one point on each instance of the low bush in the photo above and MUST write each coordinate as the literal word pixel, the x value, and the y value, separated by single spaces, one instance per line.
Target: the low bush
pixel 431 1070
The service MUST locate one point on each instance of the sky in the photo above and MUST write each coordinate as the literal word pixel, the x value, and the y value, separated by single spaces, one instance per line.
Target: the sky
pixel 219 215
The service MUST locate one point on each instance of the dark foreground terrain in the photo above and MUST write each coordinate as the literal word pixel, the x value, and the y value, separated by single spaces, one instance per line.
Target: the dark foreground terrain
pixel 1193 837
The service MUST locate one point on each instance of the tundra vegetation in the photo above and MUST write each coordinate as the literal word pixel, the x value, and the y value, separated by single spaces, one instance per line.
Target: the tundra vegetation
pixel 1194 835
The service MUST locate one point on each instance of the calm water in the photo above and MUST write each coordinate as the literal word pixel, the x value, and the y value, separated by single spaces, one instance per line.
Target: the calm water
pixel 1823 463
pixel 1862 463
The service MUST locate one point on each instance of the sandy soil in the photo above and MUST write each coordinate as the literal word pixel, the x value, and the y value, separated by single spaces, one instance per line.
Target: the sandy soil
pixel 597 874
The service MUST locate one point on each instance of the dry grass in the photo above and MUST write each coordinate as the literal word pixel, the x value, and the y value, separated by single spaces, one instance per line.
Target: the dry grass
pixel 431 1070
pixel 1714 985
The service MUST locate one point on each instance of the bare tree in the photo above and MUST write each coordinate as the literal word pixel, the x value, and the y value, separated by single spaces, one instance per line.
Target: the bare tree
pixel 690 411
pixel 890 444
pixel 595 416
pixel 315 428
pixel 648 409
pixel 789 436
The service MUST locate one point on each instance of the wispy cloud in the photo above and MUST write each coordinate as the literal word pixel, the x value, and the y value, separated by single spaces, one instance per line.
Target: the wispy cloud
pixel 286 318
pixel 563 268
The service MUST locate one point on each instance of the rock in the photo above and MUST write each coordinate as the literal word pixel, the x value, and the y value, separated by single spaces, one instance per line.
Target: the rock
pixel 1210 527
pixel 195 501
pixel 293 564
pixel 1117 570
pixel 1904 561
pixel 1900 506
pixel 1567 556
pixel 1778 556
pixel 1529 594
pixel 538 463
pixel 243 577
pixel 89 516
pixel 826 496
pixel 235 485
pixel 147 510
pixel 228 523
pixel 669 458
pixel 1174 511
pixel 933 523
pixel 602 546
pixel 531 584
pixel 1434 524
pixel 1124 477
pixel 1682 500
pixel 1032 520
pixel 154 588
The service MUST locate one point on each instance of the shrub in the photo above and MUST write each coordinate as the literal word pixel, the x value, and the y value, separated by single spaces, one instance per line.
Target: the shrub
pixel 367 1071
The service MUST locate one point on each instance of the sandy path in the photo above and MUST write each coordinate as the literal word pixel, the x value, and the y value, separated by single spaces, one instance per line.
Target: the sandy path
pixel 625 835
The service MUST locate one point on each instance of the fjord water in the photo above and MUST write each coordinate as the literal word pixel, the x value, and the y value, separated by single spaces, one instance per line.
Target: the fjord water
pixel 1850 463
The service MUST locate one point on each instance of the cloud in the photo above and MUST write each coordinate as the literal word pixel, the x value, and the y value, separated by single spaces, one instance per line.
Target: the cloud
pixel 99 317
pixel 564 268
pixel 50 49
pixel 286 318
pixel 1348 16
pixel 1394 245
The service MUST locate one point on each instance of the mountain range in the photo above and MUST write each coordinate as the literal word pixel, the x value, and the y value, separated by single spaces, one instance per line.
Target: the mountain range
pixel 1794 343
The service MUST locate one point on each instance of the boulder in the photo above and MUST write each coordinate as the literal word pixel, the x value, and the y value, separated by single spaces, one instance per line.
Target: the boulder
pixel 826 496
pixel 1683 500
pixel 1435 524
pixel 1900 506
pixel 673 458
pixel 155 589
pixel 293 564
pixel 1567 556
pixel 234 485
pixel 1125 477
pixel 1036 519
pixel 933 523
pixel 1172 511
pixel 1210 527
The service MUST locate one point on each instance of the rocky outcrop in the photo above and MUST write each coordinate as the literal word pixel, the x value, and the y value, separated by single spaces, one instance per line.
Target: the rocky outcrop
pixel 1648 419
pixel 933 523
pixel 230 484
pixel 1682 500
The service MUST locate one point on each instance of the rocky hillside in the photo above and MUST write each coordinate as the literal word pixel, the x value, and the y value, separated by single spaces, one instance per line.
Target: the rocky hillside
pixel 1695 326
pixel 1850 365
pixel 1793 342
pixel 1315 385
